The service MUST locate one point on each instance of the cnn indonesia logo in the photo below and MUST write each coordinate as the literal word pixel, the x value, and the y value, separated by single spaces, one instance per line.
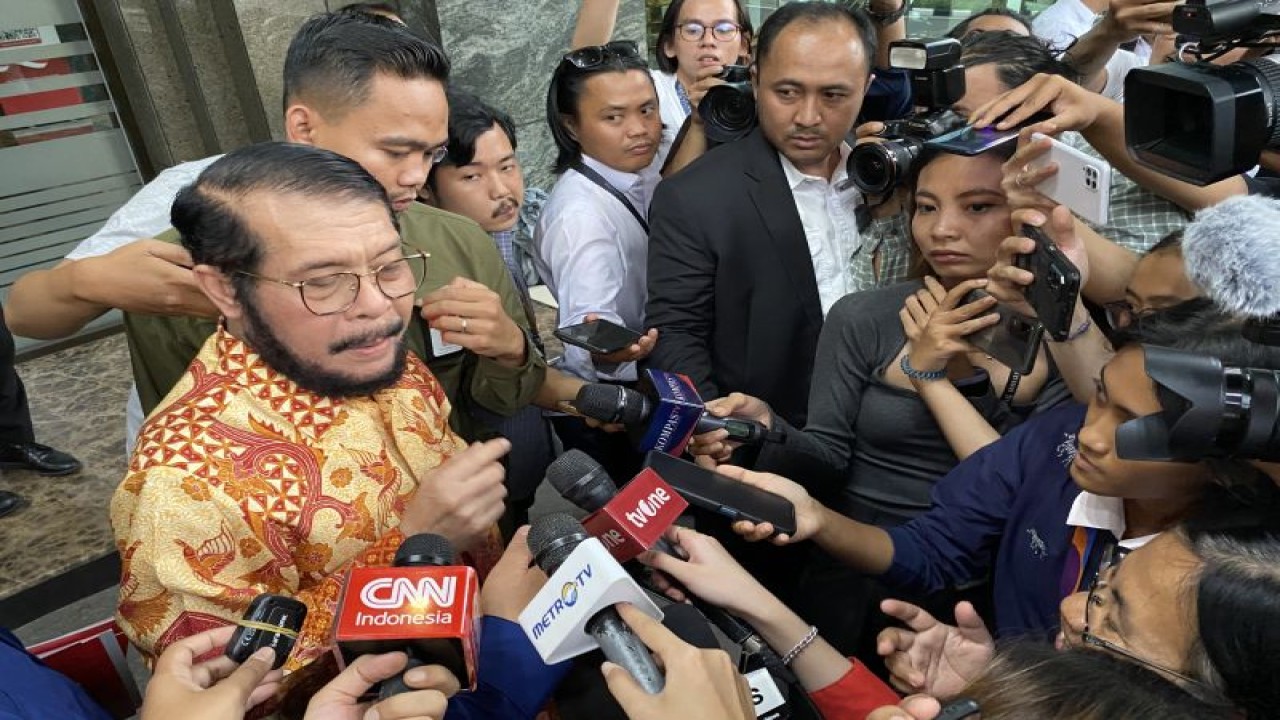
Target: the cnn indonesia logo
pixel 405 602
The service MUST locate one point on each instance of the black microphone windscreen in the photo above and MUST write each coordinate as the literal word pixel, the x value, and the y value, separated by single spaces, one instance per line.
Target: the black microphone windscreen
pixel 552 538
pixel 611 403
pixel 581 480
pixel 424 549
pixel 690 626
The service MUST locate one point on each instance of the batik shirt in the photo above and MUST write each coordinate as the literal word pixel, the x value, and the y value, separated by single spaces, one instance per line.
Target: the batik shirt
pixel 243 483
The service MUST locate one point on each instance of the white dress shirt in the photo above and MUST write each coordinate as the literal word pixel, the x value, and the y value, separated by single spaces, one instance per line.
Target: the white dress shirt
pixel 593 255
pixel 1104 513
pixel 827 212
pixel 1062 23
pixel 669 109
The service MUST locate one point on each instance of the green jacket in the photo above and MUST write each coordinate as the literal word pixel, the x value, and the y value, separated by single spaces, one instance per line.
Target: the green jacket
pixel 161 347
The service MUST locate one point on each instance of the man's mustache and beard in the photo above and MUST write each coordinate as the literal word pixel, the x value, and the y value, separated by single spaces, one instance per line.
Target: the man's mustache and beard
pixel 308 375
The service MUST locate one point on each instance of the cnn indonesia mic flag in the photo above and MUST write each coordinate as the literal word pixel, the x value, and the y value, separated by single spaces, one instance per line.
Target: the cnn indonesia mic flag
pixel 434 608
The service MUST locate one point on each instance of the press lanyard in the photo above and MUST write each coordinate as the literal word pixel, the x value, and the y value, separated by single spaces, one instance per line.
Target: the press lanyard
pixel 596 178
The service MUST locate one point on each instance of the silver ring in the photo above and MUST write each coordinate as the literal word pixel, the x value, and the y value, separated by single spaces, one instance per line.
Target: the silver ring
pixel 464 326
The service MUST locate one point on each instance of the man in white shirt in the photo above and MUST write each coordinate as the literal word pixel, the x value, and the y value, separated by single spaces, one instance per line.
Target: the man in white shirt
pixel 1077 22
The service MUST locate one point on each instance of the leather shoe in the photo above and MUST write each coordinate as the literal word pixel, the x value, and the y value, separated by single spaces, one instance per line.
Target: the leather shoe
pixel 10 503
pixel 34 456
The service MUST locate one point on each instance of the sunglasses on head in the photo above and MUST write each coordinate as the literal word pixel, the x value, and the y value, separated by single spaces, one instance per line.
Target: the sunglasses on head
pixel 596 55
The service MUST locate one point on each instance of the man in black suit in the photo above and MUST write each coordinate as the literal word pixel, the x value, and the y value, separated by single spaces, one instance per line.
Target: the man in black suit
pixel 750 244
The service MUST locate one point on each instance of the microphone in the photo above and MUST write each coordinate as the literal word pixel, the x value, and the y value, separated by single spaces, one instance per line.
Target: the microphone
pixel 1232 252
pixel 627 522
pixel 585 483
pixel 585 583
pixel 423 605
pixel 663 415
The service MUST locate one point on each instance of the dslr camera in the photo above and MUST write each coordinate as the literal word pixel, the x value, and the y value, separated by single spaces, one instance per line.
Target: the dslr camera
pixel 937 83
pixel 1208 409
pixel 1200 122
pixel 729 111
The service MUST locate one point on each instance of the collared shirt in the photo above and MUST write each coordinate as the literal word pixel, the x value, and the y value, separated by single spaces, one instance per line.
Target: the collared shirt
pixel 593 255
pixel 1062 23
pixel 670 108
pixel 1104 513
pixel 243 483
pixel 827 212
pixel 884 258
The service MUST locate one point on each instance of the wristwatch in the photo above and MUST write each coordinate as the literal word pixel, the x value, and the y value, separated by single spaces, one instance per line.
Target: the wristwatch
pixel 889 18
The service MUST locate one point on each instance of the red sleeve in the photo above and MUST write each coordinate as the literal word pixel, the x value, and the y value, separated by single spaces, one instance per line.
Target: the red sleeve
pixel 854 695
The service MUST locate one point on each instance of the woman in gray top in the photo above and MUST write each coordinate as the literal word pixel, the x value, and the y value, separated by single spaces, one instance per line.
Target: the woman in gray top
pixel 898 397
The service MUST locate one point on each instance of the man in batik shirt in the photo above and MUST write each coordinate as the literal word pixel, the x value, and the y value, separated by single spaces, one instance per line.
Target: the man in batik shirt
pixel 304 439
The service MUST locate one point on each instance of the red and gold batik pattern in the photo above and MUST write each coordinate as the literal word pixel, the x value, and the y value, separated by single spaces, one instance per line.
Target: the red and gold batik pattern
pixel 243 483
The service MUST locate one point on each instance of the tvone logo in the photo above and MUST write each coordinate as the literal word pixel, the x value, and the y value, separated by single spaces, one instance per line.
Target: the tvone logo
pixel 648 507
pixel 392 593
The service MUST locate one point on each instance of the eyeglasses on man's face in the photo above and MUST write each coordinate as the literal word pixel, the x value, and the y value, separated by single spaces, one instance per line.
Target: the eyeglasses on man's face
pixel 1097 598
pixel 694 31
pixel 592 56
pixel 1122 313
pixel 336 292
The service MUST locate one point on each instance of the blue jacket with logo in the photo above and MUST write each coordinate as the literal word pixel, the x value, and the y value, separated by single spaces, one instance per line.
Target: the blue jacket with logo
pixel 1004 511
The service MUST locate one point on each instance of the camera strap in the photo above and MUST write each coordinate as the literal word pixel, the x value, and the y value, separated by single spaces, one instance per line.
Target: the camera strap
pixel 1011 388
pixel 598 179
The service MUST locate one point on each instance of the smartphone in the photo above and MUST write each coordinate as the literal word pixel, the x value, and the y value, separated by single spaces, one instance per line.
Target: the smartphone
pixel 711 491
pixel 969 140
pixel 1014 340
pixel 599 336
pixel 1082 183
pixel 272 621
pixel 1056 287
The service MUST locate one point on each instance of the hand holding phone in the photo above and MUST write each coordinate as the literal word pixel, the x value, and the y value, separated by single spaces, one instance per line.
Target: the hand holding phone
pixel 1014 341
pixel 723 495
pixel 1082 182
pixel 600 337
pixel 1056 288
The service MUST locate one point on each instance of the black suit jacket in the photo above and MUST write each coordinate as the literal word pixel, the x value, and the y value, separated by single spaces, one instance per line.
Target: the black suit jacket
pixel 731 282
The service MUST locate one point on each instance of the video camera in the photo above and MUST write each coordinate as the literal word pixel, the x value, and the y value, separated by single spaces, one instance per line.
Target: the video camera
pixel 937 83
pixel 1208 410
pixel 1200 122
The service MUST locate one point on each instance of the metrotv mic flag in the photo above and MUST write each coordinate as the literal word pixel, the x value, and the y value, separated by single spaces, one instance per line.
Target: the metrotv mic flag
pixel 432 611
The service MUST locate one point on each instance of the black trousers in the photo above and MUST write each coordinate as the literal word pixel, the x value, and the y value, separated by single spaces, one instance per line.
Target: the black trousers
pixel 15 415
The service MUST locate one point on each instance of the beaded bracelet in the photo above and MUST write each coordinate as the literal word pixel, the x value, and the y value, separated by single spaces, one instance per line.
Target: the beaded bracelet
pixel 805 642
pixel 915 374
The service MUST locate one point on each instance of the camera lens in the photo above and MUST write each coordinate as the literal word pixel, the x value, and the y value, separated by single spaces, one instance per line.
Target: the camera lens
pixel 728 112
pixel 876 168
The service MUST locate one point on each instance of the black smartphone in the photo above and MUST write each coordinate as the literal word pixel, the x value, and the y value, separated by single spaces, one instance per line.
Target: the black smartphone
pixel 272 621
pixel 1014 340
pixel 1056 287
pixel 711 491
pixel 599 336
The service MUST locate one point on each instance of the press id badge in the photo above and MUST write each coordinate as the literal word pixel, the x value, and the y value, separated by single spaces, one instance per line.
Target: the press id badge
pixel 440 348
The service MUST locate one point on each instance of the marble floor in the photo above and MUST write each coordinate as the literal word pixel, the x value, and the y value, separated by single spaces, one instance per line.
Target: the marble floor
pixel 77 401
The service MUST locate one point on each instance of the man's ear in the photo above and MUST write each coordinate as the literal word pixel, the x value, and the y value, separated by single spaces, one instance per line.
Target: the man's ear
pixel 570 125
pixel 300 124
pixel 217 286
